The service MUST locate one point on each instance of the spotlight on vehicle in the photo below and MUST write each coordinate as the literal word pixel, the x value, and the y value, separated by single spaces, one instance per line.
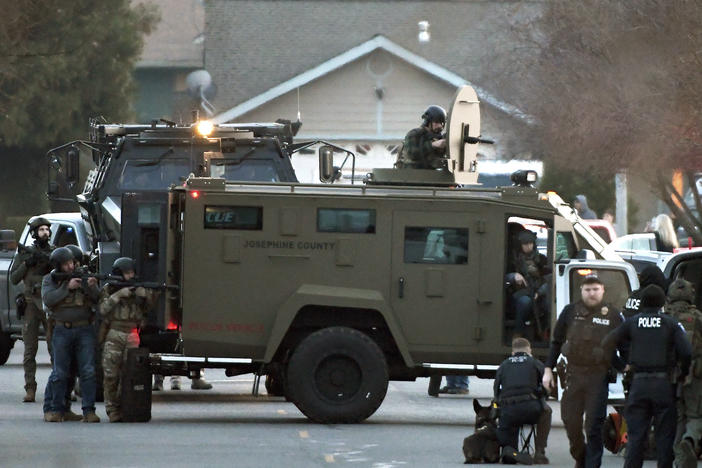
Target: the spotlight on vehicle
pixel 204 128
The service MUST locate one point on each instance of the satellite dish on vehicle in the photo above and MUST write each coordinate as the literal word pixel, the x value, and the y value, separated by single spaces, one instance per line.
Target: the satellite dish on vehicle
pixel 200 86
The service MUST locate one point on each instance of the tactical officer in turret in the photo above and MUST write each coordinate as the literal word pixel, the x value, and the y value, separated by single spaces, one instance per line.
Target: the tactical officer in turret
pixel 519 394
pixel 30 265
pixel 424 147
pixel 124 310
pixel 70 301
pixel 655 342
pixel 580 328
pixel 528 280
pixel 681 299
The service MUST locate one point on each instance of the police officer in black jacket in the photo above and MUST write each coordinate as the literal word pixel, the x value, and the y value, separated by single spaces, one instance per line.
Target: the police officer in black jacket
pixel 655 342
pixel 578 333
pixel 651 274
pixel 520 397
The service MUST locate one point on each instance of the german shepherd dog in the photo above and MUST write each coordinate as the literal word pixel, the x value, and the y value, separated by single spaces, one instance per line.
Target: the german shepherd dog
pixel 482 446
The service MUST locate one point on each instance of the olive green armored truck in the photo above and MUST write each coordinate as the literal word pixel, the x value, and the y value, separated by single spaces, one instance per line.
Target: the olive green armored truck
pixel 333 290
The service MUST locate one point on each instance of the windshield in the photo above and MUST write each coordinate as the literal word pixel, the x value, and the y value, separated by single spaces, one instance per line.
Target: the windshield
pixel 256 170
pixel 143 174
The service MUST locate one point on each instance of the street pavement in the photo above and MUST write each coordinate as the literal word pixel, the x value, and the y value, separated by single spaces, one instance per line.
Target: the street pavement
pixel 227 426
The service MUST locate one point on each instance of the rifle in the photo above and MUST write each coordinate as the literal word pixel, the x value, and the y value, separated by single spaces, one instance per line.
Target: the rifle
pixel 37 256
pixel 81 273
pixel 119 283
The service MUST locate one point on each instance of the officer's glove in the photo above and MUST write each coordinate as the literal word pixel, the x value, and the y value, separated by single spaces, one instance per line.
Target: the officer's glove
pixel 140 292
pixel 121 294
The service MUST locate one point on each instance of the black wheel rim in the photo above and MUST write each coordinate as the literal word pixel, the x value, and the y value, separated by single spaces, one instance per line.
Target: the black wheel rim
pixel 338 378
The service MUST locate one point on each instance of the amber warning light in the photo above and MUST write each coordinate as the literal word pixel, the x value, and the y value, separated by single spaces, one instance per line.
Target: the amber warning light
pixel 584 272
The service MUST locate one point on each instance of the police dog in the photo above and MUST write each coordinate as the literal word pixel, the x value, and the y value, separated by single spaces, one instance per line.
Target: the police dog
pixel 482 446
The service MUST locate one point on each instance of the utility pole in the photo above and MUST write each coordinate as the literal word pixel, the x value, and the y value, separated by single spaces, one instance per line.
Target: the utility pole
pixel 620 187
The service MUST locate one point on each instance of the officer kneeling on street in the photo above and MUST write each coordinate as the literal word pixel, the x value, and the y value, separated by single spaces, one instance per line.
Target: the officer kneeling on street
pixel 123 309
pixel 70 301
pixel 655 342
pixel 520 397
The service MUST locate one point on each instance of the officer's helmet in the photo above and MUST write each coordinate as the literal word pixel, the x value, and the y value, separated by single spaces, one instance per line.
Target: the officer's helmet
pixel 60 256
pixel 123 265
pixel 434 114
pixel 76 251
pixel 34 224
pixel 681 290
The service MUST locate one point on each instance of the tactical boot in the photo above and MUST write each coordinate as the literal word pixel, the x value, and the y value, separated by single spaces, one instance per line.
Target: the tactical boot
pixel 53 416
pixel 511 456
pixel 540 459
pixel 115 417
pixel 91 418
pixel 158 383
pixel 30 396
pixel 200 384
pixel 175 383
pixel 71 416
pixel 685 455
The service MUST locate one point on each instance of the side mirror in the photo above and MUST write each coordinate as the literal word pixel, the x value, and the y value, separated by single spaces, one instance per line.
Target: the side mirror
pixel 326 164
pixel 72 161
pixel 7 240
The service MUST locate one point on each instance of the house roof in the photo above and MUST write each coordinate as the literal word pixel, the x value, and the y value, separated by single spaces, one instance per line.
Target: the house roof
pixel 378 42
pixel 177 41
pixel 254 46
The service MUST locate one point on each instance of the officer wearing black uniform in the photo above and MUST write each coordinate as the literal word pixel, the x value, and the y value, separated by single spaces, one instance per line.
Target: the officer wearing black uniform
pixel 520 396
pixel 580 328
pixel 655 342
pixel 424 146
pixel 649 275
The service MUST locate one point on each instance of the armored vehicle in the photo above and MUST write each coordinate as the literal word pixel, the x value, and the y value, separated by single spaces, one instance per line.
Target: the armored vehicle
pixel 337 289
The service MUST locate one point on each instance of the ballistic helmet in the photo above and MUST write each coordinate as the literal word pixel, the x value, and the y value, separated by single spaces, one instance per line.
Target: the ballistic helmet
pixel 76 251
pixel 652 296
pixel 34 224
pixel 434 114
pixel 60 256
pixel 123 265
pixel 681 290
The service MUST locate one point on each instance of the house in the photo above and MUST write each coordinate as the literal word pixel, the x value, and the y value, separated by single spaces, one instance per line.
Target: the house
pixel 355 72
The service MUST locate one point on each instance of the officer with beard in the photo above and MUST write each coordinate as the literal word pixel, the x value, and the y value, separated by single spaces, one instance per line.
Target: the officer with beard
pixel 30 266
pixel 580 328
pixel 424 147
pixel 655 343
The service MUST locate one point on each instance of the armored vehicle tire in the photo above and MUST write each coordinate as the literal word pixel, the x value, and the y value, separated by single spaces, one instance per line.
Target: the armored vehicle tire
pixel 337 375
pixel 6 345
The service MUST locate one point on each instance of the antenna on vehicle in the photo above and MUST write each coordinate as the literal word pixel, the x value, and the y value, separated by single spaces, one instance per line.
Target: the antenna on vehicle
pixel 201 87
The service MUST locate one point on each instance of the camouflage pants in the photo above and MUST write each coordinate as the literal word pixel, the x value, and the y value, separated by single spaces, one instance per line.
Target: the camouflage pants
pixel 689 421
pixel 114 355
pixel 33 317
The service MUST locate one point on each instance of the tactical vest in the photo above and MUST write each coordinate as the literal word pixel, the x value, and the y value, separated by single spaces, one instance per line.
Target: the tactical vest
pixel 131 309
pixel 519 377
pixel 35 274
pixel 652 342
pixel 585 335
pixel 691 319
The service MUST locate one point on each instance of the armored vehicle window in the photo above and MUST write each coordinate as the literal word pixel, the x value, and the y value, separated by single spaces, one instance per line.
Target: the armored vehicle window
pixel 65 235
pixel 255 170
pixel 565 246
pixel 249 218
pixel 345 220
pixel 149 174
pixel 436 245
pixel 616 285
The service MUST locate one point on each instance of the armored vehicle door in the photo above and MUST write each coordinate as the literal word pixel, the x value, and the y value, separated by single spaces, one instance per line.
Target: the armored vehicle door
pixel 434 285
pixel 143 238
